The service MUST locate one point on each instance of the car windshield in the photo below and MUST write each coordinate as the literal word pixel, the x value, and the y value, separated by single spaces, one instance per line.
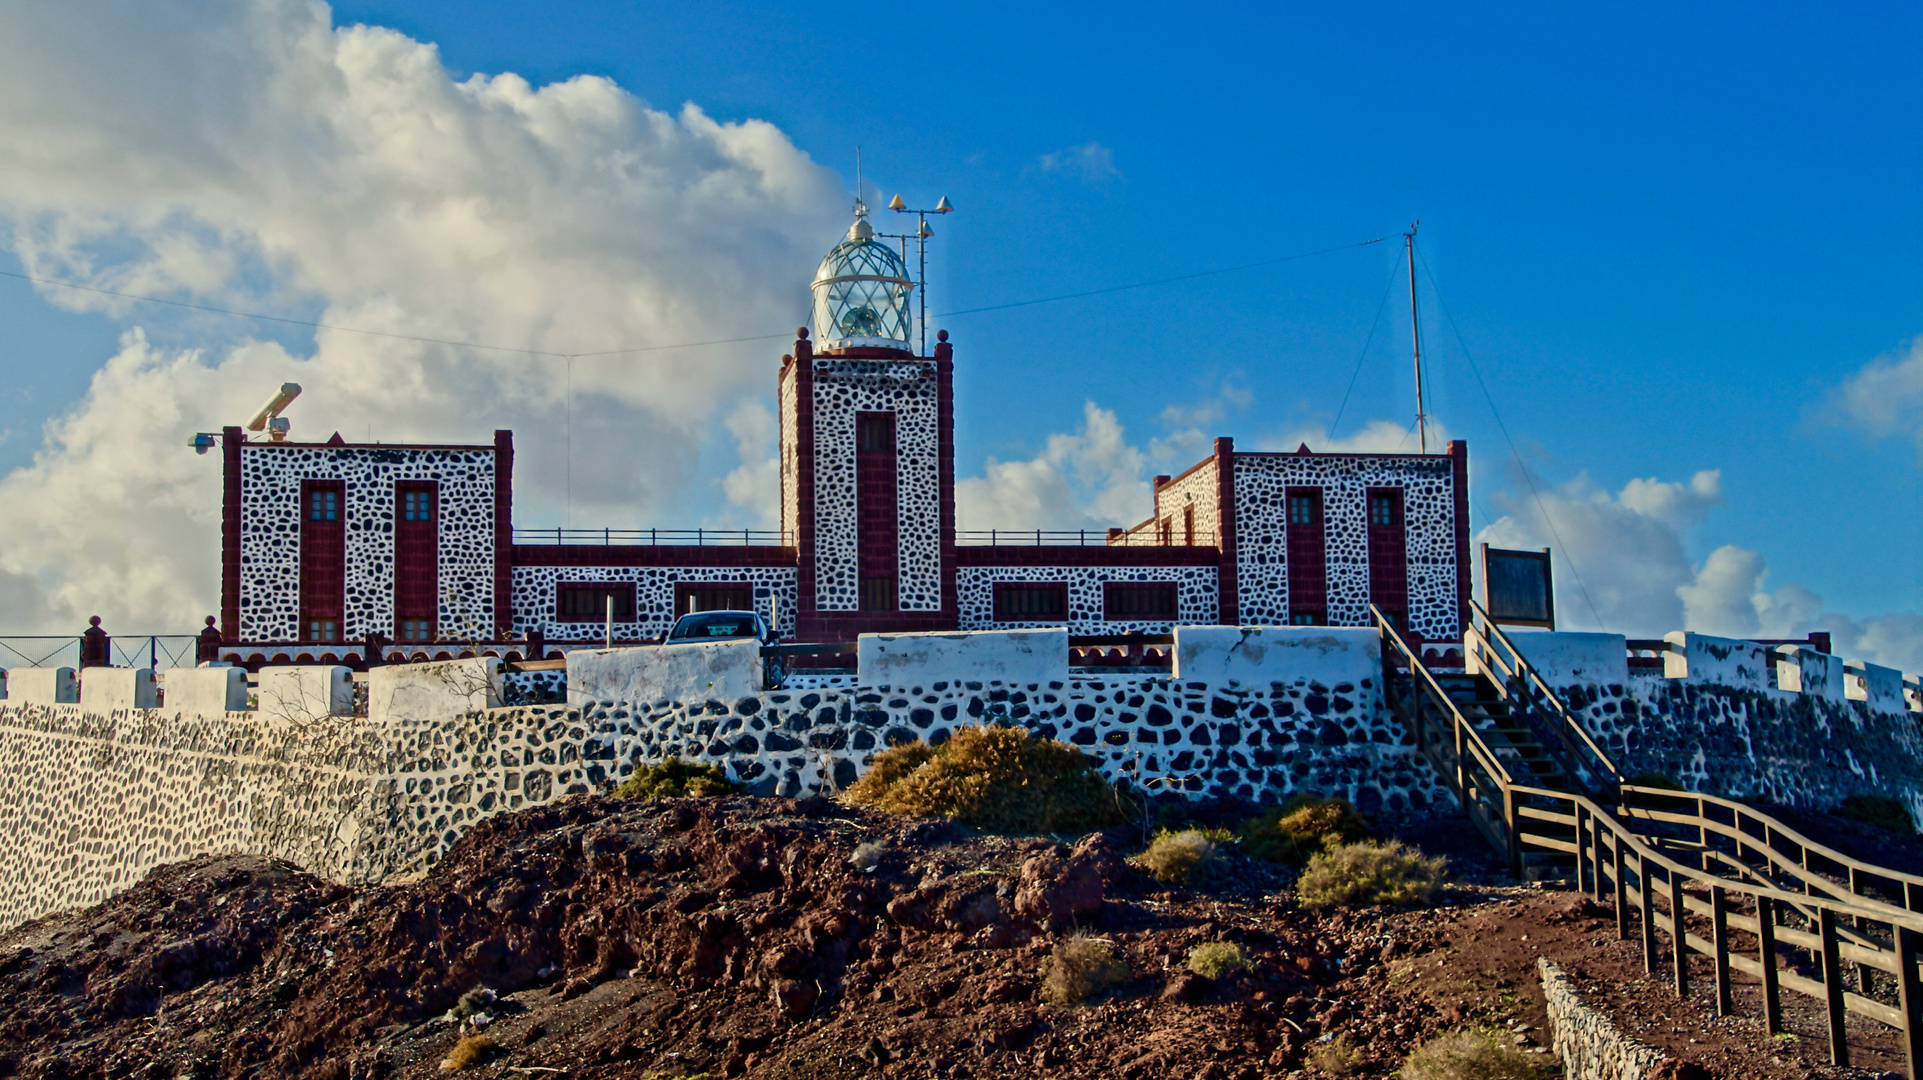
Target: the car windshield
pixel 714 624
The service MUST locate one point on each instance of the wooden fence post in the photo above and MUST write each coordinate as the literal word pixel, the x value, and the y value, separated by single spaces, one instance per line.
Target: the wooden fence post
pixel 1719 934
pixel 1766 952
pixel 1621 876
pixel 1833 986
pixel 1646 892
pixel 1910 997
pixel 1679 935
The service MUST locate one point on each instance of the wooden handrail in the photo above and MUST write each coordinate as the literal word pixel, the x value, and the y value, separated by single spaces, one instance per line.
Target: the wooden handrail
pixel 1569 729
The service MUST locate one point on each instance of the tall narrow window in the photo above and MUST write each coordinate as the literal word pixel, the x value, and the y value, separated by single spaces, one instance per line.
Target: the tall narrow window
pixel 1388 555
pixel 416 560
pixel 323 559
pixel 1167 531
pixel 1188 525
pixel 877 525
pixel 1308 559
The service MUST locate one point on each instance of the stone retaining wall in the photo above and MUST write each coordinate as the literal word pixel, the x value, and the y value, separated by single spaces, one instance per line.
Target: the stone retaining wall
pixel 1590 1046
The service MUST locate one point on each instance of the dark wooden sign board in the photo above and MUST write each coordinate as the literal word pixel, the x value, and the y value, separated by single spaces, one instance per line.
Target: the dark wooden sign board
pixel 1517 589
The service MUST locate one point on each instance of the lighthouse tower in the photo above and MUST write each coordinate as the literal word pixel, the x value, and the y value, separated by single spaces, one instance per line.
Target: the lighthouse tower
pixel 867 453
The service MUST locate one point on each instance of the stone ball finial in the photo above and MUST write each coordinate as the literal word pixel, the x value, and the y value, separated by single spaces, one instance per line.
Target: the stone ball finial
pixel 94 621
pixel 941 335
pixel 801 332
pixel 210 620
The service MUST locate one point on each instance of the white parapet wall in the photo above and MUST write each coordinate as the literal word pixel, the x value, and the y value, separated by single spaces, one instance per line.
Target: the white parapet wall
pixel 305 693
pixel 1730 662
pixel 1011 656
pixel 107 688
pixel 205 691
pixel 697 671
pixel 1257 656
pixel 436 691
pixel 1880 687
pixel 1564 658
pixel 1803 670
pixel 43 686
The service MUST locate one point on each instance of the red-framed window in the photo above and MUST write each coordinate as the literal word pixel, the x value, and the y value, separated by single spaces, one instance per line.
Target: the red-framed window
pixel 587 602
pixel 1031 601
pixel 1388 555
pixel 1308 568
pixel 417 553
pixel 1138 601
pixel 323 559
pixel 692 596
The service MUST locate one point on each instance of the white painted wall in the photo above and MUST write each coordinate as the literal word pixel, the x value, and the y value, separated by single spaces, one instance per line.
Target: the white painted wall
pixel 106 688
pixel 698 671
pixel 435 691
pixel 1259 655
pixel 206 691
pixel 1880 687
pixel 1012 656
pixel 1803 670
pixel 1741 665
pixel 305 693
pixel 42 686
pixel 1568 659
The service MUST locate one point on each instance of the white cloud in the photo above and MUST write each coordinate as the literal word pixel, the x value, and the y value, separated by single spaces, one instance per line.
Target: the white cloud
pixel 1088 162
pixel 755 485
pixel 1374 437
pixel 251 154
pixel 1631 549
pixel 1885 397
pixel 1091 479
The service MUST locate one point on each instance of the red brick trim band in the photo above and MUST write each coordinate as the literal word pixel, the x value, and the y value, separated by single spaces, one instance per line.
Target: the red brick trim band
pixel 1459 469
pixel 1225 518
pixel 1015 554
pixel 503 531
pixel 231 440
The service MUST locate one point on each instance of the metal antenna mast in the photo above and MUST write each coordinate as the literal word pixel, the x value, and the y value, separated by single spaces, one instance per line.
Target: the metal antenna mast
pixel 920 237
pixel 1415 329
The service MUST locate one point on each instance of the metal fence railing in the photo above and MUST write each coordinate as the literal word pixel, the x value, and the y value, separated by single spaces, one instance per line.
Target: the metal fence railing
pixel 157 651
pixel 658 537
pixel 1080 538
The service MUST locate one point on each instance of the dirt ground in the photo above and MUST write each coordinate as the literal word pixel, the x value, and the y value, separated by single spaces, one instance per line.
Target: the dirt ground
pixel 739 937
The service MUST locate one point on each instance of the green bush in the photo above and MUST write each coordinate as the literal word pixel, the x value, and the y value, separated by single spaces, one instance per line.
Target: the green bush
pixel 1217 958
pixel 998 779
pixel 1878 811
pixel 1470 1054
pixel 675 779
pixel 1368 873
pixel 1299 828
pixel 1174 857
pixel 1079 968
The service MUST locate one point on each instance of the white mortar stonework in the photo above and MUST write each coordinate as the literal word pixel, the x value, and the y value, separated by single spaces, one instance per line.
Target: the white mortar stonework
pixel 1261 541
pixel 536 590
pixel 271 528
pixel 1198 489
pixel 909 389
pixel 1196 590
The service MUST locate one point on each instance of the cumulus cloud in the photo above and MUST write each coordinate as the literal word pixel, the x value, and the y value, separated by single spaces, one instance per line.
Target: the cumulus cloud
pixel 1886 397
pixel 1631 548
pixel 1088 162
pixel 249 153
pixel 1090 479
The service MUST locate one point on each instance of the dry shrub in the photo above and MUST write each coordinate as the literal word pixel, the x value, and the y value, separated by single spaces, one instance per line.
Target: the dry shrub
pixel 470 1051
pixel 1217 958
pixel 997 779
pixel 675 779
pixel 1879 812
pixel 1369 873
pixel 1337 1057
pixel 1174 857
pixel 1470 1054
pixel 1301 827
pixel 1079 968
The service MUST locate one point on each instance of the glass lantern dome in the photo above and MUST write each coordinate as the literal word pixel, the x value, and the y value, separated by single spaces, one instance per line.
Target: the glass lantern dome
pixel 861 293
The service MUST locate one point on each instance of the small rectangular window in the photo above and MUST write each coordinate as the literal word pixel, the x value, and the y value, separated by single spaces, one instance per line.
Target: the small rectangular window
pixel 1385 509
pixel 690 597
pixel 878 594
pixel 1025 601
pixel 589 603
pixel 875 432
pixel 323 504
pixel 1303 509
pixel 1138 601
pixel 323 630
pixel 417 504
pixel 1306 618
pixel 416 630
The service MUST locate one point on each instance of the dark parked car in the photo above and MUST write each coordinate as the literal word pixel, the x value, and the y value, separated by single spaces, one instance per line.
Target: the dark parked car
pixel 726 625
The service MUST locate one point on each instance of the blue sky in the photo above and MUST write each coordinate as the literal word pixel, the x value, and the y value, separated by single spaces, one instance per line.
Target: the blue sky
pixel 1670 236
